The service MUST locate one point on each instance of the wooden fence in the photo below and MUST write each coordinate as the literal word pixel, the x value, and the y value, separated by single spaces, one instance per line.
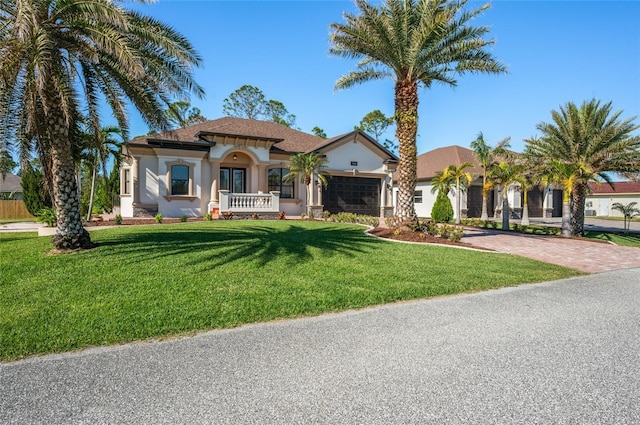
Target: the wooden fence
pixel 13 210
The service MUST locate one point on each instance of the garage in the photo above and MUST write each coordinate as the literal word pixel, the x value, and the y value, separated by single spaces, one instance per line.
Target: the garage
pixel 474 202
pixel 358 195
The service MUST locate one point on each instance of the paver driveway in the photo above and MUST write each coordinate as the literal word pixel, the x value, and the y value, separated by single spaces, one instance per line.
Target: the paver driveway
pixel 585 255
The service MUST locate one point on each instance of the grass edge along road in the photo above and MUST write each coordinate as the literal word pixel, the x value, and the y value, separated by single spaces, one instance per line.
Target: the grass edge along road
pixel 166 280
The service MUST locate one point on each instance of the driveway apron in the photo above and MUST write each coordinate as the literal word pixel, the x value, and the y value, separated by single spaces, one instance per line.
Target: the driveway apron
pixel 584 255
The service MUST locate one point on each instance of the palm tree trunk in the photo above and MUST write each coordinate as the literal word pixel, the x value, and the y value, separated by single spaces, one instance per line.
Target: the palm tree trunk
pixel 458 202
pixel 579 195
pixel 525 209
pixel 107 188
pixel 484 215
pixel 406 115
pixel 505 209
pixel 70 234
pixel 566 219
pixel 93 191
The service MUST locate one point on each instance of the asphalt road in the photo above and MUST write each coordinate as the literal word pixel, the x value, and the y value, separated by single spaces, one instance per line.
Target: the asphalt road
pixel 565 352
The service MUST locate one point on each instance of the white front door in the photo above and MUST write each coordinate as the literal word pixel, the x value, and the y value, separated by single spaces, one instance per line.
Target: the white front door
pixel 604 208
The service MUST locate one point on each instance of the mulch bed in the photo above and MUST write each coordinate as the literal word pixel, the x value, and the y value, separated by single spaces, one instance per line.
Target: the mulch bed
pixel 137 221
pixel 410 236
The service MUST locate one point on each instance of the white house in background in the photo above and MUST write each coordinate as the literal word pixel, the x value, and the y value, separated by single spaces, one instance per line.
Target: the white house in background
pixel 602 196
pixel 236 165
pixel 542 203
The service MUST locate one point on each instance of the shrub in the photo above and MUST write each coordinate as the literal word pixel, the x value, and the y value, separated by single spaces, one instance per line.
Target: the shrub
pixel 207 217
pixel 442 211
pixel 183 219
pixel 48 216
pixel 303 215
pixel 390 222
pixel 34 193
pixel 326 214
pixel 118 219
pixel 255 216
pixel 158 218
pixel 282 215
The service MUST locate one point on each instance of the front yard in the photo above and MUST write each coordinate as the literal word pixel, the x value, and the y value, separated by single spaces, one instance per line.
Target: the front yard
pixel 165 280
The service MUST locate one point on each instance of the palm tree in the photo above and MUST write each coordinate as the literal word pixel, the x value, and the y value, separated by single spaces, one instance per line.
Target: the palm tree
pixel 304 166
pixel 454 176
pixel 60 57
pixel 412 42
pixel 487 157
pixel 505 175
pixel 560 173
pixel 593 141
pixel 102 146
pixel 629 211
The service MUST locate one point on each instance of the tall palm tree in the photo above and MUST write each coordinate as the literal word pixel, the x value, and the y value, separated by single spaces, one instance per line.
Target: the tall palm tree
pixel 103 145
pixel 303 167
pixel 505 175
pixel 487 157
pixel 60 57
pixel 457 177
pixel 593 141
pixel 413 42
pixel 560 173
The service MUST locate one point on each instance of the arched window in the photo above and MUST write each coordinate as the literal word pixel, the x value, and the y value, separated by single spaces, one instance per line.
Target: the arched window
pixel 276 184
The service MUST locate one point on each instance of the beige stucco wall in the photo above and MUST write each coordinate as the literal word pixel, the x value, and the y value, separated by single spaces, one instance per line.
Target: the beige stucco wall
pixel 602 204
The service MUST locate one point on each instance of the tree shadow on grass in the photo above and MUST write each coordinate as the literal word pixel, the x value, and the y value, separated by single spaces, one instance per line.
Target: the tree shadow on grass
pixel 210 246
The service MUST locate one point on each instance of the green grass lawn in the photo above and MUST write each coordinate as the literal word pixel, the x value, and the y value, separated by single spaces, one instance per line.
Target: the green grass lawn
pixel 631 239
pixel 163 280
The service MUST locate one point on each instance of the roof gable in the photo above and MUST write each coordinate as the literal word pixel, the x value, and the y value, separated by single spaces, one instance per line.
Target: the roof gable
pixel 287 139
pixel 432 162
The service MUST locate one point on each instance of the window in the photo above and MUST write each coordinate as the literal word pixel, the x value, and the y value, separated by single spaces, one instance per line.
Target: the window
pixel 417 197
pixel 276 183
pixel 126 181
pixel 179 180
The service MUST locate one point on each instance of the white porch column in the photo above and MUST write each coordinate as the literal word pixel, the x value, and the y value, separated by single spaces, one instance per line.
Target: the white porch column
pixel 262 178
pixel 135 174
pixel 318 188
pixel 215 175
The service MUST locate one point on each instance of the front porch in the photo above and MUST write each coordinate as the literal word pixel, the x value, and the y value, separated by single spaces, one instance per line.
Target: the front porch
pixel 248 203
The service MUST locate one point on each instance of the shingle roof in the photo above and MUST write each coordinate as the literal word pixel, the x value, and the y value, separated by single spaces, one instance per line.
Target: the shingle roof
pixel 429 163
pixel 288 139
pixel 619 188
pixel 11 183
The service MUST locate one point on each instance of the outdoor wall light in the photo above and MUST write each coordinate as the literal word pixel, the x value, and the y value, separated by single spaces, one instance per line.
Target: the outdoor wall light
pixel 235 157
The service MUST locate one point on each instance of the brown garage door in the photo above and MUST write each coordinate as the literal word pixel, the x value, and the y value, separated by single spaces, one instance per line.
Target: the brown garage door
pixel 474 202
pixel 358 195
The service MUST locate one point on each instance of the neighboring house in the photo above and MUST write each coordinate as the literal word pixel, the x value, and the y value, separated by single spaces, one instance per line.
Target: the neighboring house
pixel 542 203
pixel 602 197
pixel 236 165
pixel 11 186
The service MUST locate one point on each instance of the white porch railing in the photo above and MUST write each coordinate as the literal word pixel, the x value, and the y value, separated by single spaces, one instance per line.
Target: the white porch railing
pixel 249 202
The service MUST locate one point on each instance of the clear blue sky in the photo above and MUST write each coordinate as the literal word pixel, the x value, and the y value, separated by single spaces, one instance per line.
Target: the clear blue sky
pixel 555 51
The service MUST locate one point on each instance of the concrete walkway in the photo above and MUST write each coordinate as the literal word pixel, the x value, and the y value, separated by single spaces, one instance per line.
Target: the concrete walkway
pixel 584 255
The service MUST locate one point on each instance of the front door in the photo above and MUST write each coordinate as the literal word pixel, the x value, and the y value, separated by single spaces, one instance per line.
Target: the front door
pixel 233 179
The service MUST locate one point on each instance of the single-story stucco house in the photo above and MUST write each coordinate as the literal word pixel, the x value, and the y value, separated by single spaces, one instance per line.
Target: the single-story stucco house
pixel 10 185
pixel 236 165
pixel 541 202
pixel 601 197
